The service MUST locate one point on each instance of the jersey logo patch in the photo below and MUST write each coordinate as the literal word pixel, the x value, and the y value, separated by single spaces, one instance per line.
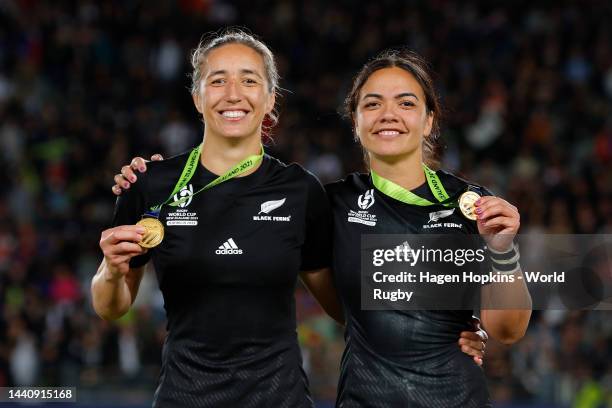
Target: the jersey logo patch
pixel 186 191
pixel 269 206
pixel 229 247
pixel 181 216
pixel 435 216
pixel 364 201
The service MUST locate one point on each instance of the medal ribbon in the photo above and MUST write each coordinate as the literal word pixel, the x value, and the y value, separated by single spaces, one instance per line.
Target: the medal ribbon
pixel 189 170
pixel 398 192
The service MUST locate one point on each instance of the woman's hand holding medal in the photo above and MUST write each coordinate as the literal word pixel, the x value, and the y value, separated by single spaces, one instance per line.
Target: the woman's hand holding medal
pixel 119 245
pixel 498 221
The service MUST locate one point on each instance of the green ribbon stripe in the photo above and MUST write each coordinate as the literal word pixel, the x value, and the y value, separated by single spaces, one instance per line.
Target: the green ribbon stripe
pixel 399 193
pixel 189 170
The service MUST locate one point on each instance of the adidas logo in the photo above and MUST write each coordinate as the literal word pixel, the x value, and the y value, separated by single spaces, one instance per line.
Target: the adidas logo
pixel 229 247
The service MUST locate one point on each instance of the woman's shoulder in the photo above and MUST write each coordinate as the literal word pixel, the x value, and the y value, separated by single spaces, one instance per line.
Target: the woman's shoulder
pixel 454 183
pixel 291 172
pixel 351 183
pixel 160 174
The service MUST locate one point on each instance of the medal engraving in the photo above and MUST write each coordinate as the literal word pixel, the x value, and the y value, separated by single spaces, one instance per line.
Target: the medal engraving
pixel 466 204
pixel 154 233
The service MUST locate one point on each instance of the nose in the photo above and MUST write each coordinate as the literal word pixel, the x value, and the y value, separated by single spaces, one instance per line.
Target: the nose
pixel 387 114
pixel 232 92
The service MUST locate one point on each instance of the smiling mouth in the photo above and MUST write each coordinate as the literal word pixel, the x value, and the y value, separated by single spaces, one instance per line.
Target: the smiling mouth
pixel 388 133
pixel 233 115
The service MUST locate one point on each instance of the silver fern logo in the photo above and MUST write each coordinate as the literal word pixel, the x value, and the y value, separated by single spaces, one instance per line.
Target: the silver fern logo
pixel 270 206
pixel 435 216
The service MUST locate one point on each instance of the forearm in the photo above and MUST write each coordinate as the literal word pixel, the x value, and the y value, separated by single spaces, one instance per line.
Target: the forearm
pixel 111 295
pixel 321 286
pixel 506 308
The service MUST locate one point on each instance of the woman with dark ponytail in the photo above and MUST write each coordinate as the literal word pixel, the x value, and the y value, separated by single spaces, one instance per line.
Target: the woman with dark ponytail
pixel 409 358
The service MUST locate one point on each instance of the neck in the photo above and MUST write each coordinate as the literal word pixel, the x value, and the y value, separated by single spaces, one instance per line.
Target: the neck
pixel 219 154
pixel 406 171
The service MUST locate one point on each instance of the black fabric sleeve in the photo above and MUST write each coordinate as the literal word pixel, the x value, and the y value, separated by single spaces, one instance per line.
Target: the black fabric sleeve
pixel 129 207
pixel 316 251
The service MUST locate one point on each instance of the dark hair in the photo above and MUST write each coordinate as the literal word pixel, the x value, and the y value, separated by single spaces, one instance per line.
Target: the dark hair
pixel 414 64
pixel 235 36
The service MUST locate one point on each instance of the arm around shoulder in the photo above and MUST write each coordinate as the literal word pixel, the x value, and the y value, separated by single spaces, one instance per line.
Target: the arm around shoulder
pixel 320 284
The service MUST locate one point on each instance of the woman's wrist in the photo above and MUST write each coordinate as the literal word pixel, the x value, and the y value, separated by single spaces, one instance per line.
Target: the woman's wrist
pixel 507 261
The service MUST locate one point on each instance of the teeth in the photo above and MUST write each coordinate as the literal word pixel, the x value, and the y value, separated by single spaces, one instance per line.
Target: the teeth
pixel 388 132
pixel 233 114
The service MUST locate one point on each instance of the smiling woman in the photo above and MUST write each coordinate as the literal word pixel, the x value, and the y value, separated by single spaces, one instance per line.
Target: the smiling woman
pixel 394 111
pixel 414 94
pixel 231 338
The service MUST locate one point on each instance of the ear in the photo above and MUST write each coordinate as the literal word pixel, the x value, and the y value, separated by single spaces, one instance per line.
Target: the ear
pixel 270 102
pixel 429 124
pixel 197 101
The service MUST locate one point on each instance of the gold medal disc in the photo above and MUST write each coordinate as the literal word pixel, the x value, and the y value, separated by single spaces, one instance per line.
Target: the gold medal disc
pixel 466 204
pixel 154 233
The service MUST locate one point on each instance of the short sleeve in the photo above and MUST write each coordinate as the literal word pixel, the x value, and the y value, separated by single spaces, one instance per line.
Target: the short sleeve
pixel 129 207
pixel 317 248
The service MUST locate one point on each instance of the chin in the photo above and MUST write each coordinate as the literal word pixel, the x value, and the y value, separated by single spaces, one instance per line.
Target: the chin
pixel 388 150
pixel 235 133
pixel 391 154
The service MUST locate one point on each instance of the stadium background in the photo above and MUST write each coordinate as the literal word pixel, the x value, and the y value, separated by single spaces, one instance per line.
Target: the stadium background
pixel 86 85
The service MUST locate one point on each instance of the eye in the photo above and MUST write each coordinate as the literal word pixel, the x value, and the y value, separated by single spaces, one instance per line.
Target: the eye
pixel 371 105
pixel 407 104
pixel 217 81
pixel 250 81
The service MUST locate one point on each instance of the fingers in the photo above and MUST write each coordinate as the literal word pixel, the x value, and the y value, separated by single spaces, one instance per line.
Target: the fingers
pixel 129 233
pixel 496 213
pixel 485 200
pixel 124 180
pixel 493 208
pixel 121 182
pixel 478 361
pixel 472 351
pixel 501 225
pixel 138 163
pixel 471 344
pixel 469 335
pixel 157 157
pixel 128 174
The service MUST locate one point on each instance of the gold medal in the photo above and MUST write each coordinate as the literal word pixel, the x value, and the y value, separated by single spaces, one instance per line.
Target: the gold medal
pixel 154 233
pixel 466 204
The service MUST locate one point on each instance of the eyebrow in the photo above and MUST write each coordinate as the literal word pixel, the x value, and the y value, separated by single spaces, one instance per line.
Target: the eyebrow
pixel 398 96
pixel 242 71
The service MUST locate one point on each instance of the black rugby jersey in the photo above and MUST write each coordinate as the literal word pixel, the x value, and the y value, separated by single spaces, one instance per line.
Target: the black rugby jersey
pixel 399 358
pixel 227 269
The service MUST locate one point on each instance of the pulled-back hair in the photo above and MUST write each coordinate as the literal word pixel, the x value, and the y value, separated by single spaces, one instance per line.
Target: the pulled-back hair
pixel 414 64
pixel 235 36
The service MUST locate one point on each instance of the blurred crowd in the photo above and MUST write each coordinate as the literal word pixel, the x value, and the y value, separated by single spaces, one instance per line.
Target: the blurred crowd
pixel 86 85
